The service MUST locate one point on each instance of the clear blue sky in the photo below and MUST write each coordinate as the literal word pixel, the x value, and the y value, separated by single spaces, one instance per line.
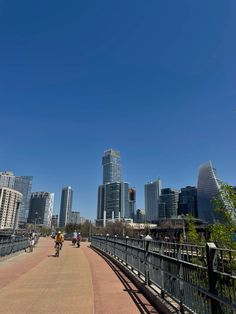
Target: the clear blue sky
pixel 154 79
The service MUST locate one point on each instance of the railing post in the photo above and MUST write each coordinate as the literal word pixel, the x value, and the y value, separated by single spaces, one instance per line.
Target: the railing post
pixel 126 250
pixel 210 254
pixel 147 239
pixel 106 249
pixel 115 245
pixel 162 272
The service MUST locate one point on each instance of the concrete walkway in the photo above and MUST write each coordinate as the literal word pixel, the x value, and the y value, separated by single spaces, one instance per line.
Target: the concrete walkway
pixel 79 281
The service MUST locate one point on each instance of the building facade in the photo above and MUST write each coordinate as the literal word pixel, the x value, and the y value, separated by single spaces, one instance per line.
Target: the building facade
pixel 168 205
pixel 111 166
pixel 75 217
pixel 22 184
pixel 41 208
pixel 152 197
pixel 55 221
pixel 9 206
pixel 113 195
pixel 66 206
pixel 132 203
pixel 208 187
pixel 7 179
pixel 188 201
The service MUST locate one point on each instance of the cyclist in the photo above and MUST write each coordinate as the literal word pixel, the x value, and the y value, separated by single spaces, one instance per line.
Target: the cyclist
pixel 74 237
pixel 59 239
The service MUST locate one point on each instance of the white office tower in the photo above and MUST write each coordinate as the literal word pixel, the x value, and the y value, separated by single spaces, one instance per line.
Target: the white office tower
pixel 22 184
pixel 9 205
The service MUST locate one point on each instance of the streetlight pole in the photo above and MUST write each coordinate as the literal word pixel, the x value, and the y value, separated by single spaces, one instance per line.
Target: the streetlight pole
pixel 184 233
pixel 35 220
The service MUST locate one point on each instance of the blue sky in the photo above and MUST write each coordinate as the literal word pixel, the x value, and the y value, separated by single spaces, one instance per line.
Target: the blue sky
pixel 154 79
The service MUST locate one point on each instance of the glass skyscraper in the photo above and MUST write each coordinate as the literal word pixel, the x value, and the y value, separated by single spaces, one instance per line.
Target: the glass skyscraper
pixel 152 196
pixel 111 166
pixel 66 206
pixel 168 206
pixel 208 187
pixel 113 198
pixel 188 201
pixel 22 184
pixel 41 208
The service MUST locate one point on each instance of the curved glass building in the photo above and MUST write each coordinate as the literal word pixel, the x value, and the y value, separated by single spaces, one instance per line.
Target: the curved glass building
pixel 208 187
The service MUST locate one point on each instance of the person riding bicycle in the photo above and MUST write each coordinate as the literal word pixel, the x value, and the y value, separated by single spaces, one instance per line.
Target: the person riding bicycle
pixel 74 237
pixel 59 239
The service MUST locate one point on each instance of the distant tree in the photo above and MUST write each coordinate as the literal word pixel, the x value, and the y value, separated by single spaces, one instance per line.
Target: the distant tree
pixel 71 227
pixel 192 235
pixel 222 233
pixel 44 230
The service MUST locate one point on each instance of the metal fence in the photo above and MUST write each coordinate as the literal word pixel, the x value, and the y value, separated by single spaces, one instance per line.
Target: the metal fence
pixel 200 279
pixel 9 246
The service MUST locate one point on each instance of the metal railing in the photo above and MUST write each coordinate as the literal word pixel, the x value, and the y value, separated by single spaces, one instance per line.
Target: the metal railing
pixel 200 279
pixel 9 246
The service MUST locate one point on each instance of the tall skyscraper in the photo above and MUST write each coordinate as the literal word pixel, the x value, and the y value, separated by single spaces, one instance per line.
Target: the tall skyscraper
pixel 152 196
pixel 41 208
pixel 111 166
pixel 168 205
pixel 9 205
pixel 113 199
pixel 66 206
pixel 22 184
pixel 132 203
pixel 208 187
pixel 188 201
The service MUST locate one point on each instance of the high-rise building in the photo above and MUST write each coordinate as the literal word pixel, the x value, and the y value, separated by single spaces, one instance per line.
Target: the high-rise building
pixel 75 217
pixel 132 203
pixel 55 221
pixel 7 179
pixel 168 205
pixel 113 196
pixel 188 201
pixel 208 187
pixel 9 205
pixel 100 203
pixel 111 166
pixel 41 208
pixel 113 201
pixel 22 184
pixel 66 206
pixel 152 196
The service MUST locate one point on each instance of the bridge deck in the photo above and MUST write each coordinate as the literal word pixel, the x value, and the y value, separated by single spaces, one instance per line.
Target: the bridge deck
pixel 79 281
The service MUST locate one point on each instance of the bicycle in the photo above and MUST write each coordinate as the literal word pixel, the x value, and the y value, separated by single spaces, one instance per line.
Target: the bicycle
pixel 57 249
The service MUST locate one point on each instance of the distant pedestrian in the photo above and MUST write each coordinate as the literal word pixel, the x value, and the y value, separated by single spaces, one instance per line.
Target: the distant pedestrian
pixel 32 240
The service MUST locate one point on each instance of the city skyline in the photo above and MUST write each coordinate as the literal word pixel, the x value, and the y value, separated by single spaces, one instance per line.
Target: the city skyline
pixel 148 79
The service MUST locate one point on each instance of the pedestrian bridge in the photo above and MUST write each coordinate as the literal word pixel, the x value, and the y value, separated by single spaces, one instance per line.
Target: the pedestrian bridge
pixel 79 281
pixel 119 275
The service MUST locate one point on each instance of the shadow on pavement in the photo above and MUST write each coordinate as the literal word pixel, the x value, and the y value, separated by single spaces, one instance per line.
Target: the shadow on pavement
pixel 134 293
